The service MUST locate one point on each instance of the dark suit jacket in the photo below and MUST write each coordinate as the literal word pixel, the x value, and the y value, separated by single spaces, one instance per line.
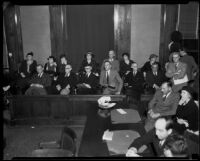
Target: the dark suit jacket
pixel 135 82
pixel 151 79
pixel 32 68
pixel 114 80
pixel 167 107
pixel 91 80
pixel 125 67
pixel 45 80
pixel 149 137
pixel 93 63
pixel 63 80
pixel 147 67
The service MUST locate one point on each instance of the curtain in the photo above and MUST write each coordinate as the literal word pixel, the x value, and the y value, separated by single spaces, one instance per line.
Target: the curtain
pixel 89 27
pixel 169 15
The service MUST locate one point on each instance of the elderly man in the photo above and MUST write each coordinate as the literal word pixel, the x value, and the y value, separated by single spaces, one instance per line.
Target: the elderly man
pixel 88 82
pixel 164 103
pixel 110 80
pixel 65 83
pixel 39 82
pixel 157 136
pixel 177 71
pixel 114 62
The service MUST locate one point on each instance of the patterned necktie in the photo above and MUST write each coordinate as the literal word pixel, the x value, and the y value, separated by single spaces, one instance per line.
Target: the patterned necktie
pixel 176 66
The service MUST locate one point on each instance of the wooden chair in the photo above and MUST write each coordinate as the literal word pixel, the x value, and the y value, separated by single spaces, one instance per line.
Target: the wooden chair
pixel 66 142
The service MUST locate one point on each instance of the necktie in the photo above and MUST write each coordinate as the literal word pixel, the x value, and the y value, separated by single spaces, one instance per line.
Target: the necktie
pixel 107 77
pixel 176 66
pixel 164 98
pixel 28 67
pixel 155 74
pixel 134 73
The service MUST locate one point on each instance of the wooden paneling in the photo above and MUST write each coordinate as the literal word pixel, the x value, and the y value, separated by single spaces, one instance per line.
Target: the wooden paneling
pixel 122 28
pixel 58 30
pixel 169 15
pixel 13 32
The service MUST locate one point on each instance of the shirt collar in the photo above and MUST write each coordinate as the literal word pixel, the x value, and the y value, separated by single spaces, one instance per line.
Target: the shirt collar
pixel 167 94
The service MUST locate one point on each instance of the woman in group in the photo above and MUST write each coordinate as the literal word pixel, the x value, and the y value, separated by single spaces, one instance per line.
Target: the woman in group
pixel 125 65
pixel 187 112
pixel 89 60
pixel 50 66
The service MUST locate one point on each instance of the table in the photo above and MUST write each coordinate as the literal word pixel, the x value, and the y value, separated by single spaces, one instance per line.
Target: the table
pixel 92 144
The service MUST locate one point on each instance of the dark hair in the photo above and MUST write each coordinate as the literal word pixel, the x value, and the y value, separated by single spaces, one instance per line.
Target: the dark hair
pixel 176 36
pixel 177 144
pixel 89 52
pixel 52 57
pixel 63 56
pixel 127 54
pixel 31 53
pixel 169 84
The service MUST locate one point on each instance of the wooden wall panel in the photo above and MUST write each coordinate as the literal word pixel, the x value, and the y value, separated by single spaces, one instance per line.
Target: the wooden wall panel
pixel 58 30
pixel 122 29
pixel 13 32
pixel 169 16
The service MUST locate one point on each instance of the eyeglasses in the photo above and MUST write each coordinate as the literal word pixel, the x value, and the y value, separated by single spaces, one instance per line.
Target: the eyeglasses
pixel 67 68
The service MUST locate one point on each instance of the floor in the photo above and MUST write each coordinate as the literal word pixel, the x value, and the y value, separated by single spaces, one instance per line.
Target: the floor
pixel 21 140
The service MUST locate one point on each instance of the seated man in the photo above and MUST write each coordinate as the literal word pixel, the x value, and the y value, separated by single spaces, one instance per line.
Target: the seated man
pixel 110 80
pixel 176 146
pixel 154 78
pixel 39 82
pixel 65 83
pixel 147 66
pixel 164 103
pixel 88 82
pixel 133 82
pixel 157 136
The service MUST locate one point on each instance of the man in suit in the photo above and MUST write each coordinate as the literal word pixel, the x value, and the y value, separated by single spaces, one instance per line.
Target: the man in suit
pixel 177 71
pixel 154 78
pixel 114 62
pixel 163 128
pixel 65 83
pixel 133 82
pixel 88 82
pixel 110 80
pixel 164 103
pixel 39 82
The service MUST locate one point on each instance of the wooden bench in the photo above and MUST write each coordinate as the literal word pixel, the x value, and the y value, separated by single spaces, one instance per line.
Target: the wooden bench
pixel 53 106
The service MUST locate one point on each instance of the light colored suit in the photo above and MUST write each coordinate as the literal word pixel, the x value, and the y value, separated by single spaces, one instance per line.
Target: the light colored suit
pixel 165 107
pixel 171 73
pixel 114 81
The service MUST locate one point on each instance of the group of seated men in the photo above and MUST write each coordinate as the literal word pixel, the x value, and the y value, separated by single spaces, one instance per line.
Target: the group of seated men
pixel 113 77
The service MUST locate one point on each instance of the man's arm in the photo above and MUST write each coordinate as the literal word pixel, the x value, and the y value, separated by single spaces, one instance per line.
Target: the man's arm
pixel 143 140
pixel 171 108
pixel 182 72
pixel 153 101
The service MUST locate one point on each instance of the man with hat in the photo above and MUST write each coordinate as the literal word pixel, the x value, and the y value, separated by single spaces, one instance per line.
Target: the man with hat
pixel 187 111
pixel 147 66
pixel 177 71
